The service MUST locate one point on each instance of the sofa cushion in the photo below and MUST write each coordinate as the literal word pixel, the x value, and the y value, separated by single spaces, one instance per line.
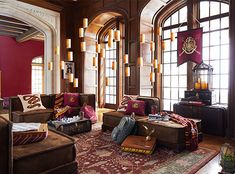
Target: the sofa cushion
pixel 31 102
pixel 149 103
pixel 38 157
pixel 136 106
pixel 71 99
pixel 124 102
pixel 40 116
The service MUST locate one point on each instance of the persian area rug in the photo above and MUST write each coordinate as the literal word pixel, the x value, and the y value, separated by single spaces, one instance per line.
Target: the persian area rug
pixel 98 154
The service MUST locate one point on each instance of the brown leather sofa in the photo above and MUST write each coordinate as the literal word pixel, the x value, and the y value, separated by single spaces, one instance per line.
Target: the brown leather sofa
pixel 16 113
pixel 54 155
pixel 169 134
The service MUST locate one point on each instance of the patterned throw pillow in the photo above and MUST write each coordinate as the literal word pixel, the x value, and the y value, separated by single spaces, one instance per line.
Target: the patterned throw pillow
pixel 31 102
pixel 89 113
pixel 124 102
pixel 71 99
pixel 136 106
pixel 59 100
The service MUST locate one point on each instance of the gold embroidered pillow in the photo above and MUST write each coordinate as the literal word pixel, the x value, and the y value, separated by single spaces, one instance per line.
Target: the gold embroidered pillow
pixel 31 102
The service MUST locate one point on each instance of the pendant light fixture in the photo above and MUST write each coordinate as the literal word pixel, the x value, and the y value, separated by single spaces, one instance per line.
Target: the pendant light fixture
pixel 68 43
pixel 127 71
pixel 125 59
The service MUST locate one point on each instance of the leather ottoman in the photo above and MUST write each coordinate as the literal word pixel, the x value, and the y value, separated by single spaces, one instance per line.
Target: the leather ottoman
pixel 169 134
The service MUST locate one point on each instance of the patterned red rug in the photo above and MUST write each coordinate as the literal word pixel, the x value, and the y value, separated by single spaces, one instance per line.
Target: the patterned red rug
pixel 96 153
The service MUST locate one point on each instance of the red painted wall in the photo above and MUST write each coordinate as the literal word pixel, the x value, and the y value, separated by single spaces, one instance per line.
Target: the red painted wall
pixel 15 64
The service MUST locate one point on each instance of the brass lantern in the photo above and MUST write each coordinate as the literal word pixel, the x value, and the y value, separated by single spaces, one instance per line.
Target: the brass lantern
pixel 202 76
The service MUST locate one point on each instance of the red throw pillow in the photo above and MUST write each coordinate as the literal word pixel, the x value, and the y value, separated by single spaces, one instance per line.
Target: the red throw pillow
pixel 71 99
pixel 89 113
pixel 136 106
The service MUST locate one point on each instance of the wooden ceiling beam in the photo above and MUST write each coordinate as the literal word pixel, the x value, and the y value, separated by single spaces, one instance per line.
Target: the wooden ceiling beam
pixel 2 24
pixel 14 22
pixel 27 35
pixel 3 33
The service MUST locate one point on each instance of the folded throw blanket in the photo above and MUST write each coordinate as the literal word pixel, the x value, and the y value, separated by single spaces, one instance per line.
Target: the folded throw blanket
pixel 191 131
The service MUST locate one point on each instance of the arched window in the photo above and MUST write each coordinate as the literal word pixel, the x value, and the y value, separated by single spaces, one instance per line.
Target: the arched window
pixel 37 75
pixel 111 88
pixel 174 79
pixel 214 18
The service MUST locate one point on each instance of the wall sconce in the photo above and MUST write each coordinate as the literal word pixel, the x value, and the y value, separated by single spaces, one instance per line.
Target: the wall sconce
pixel 85 22
pixel 152 46
pixel 127 71
pixel 172 36
pixel 142 38
pixel 152 77
pixel 155 63
pixel 106 81
pixel 70 56
pixel 97 48
pixel 50 66
pixel 81 32
pixel 163 45
pixel 57 50
pixel 110 42
pixel 71 77
pixel 68 43
pixel 125 59
pixel 102 53
pixel 94 62
pixel 62 65
pixel 114 65
pixel 75 82
pixel 159 31
pixel 140 61
pixel 117 35
pixel 83 46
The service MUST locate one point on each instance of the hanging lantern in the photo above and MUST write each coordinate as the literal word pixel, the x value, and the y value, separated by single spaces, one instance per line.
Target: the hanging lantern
pixel 163 45
pixel 155 63
pixel 152 46
pixel 102 53
pixel 57 50
pixel 75 82
pixel 97 48
pixel 110 42
pixel 85 22
pixel 83 46
pixel 126 59
pixel 159 68
pixel 114 65
pixel 127 71
pixel 70 56
pixel 172 36
pixel 111 33
pixel 152 77
pixel 140 61
pixel 142 38
pixel 106 81
pixel 62 65
pixel 117 36
pixel 202 76
pixel 50 66
pixel 94 63
pixel 159 31
pixel 68 43
pixel 81 32
pixel 71 77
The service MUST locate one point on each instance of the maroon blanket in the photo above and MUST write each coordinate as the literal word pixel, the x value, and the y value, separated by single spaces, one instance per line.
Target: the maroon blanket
pixel 191 131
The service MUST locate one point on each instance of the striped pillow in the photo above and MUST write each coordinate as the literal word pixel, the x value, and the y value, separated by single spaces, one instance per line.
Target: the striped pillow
pixel 59 100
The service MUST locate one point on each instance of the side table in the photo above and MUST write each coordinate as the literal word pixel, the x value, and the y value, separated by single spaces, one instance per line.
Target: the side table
pixel 72 128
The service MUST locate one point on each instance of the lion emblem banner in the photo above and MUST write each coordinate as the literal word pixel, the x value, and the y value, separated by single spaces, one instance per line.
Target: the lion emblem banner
pixel 190 46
